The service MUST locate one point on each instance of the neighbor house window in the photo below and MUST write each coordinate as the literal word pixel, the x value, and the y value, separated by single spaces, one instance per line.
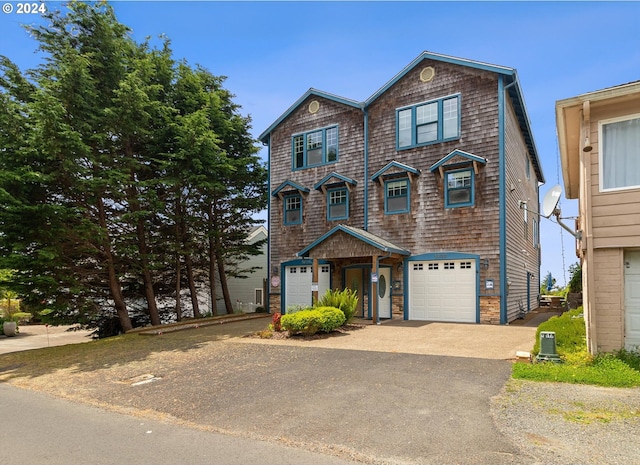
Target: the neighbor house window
pixel 459 190
pixel 315 148
pixel 428 122
pixel 338 204
pixel 293 209
pixel 620 153
pixel 396 196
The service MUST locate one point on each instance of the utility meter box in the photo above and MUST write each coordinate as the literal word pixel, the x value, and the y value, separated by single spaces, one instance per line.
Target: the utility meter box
pixel 548 347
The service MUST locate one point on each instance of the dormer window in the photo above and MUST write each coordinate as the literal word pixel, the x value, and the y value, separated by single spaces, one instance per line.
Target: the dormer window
pixel 396 196
pixel 458 170
pixel 459 188
pixel 293 209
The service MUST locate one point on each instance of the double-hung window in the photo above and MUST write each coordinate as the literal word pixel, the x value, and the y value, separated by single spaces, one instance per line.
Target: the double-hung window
pixel 428 122
pixel 620 153
pixel 338 204
pixel 293 209
pixel 459 190
pixel 315 148
pixel 396 196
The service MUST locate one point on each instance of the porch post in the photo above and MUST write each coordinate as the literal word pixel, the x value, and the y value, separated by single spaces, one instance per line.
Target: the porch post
pixel 314 282
pixel 374 290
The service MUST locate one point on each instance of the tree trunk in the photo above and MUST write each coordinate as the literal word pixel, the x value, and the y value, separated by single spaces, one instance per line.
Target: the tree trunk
pixel 178 289
pixel 223 277
pixel 147 279
pixel 213 292
pixel 192 287
pixel 223 284
pixel 114 282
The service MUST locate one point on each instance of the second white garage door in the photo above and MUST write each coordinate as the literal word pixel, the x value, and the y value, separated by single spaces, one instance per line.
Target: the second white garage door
pixel 298 284
pixel 443 290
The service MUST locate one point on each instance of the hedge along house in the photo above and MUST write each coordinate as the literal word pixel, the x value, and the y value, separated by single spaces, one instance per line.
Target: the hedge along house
pixel 423 198
pixel 599 139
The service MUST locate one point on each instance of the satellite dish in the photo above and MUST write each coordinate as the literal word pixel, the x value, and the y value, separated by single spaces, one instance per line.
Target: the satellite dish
pixel 550 201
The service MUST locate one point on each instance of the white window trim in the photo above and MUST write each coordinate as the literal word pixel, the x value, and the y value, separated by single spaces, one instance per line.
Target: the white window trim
pixel 601 152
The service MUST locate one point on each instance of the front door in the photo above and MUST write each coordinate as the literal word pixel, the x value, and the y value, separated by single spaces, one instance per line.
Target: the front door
pixel 384 293
pixel 632 300
pixel 354 281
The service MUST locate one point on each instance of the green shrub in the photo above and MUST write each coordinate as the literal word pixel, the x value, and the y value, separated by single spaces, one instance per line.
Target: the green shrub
pixel 570 332
pixel 310 321
pixel 632 359
pixel 332 318
pixel 307 322
pixel 346 300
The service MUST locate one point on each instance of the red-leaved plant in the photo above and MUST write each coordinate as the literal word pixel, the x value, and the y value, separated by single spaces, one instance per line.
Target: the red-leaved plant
pixel 275 320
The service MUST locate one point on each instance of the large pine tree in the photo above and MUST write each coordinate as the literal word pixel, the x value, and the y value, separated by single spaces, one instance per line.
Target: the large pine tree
pixel 124 173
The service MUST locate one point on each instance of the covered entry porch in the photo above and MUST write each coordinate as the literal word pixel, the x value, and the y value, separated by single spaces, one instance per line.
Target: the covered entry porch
pixel 363 262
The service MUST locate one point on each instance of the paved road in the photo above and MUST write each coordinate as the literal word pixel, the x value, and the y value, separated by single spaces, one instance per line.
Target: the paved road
pixel 37 429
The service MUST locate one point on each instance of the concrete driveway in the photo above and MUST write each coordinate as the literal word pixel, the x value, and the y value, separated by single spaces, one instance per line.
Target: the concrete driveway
pixel 38 336
pixel 493 342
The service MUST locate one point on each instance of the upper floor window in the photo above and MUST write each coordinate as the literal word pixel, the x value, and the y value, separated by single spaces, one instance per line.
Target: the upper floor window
pixel 315 148
pixel 293 209
pixel 620 153
pixel 428 122
pixel 459 188
pixel 337 204
pixel 396 196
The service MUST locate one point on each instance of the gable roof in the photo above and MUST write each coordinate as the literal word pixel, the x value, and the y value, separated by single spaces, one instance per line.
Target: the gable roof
pixel 339 179
pixel 512 86
pixel 457 153
pixel 445 59
pixel 264 137
pixel 290 185
pixel 395 166
pixel 360 234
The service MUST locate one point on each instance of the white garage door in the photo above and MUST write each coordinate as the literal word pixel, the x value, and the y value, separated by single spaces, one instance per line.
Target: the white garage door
pixel 298 284
pixel 443 290
pixel 632 300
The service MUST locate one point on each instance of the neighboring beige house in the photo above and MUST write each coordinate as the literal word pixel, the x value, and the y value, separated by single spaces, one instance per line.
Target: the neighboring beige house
pixel 599 137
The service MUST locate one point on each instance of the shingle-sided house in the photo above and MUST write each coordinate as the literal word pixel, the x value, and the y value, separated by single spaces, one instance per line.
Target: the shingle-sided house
pixel 599 139
pixel 423 198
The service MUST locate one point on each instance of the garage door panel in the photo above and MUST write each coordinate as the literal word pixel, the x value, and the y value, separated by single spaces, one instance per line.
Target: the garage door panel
pixel 632 299
pixel 298 284
pixel 443 290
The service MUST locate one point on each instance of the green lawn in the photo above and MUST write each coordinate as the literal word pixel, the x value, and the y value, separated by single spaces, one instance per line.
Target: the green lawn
pixel 618 369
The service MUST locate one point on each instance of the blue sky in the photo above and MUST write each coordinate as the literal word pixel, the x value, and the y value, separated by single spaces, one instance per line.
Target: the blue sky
pixel 273 52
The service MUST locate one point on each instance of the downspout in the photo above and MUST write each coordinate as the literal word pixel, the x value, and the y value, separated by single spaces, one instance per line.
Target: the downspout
pixel 365 226
pixel 585 162
pixel 268 290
